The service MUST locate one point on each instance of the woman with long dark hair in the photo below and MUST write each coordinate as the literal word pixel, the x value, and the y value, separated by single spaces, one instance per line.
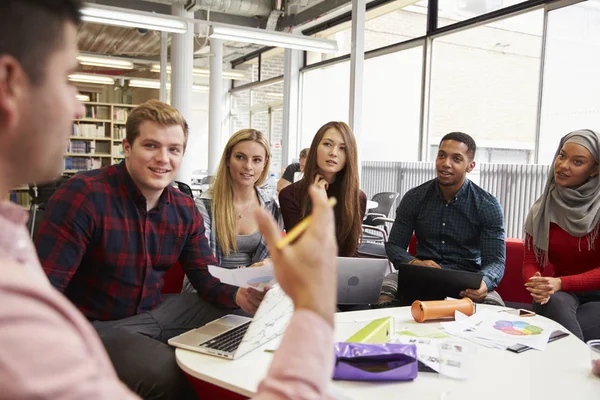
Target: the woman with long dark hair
pixel 332 164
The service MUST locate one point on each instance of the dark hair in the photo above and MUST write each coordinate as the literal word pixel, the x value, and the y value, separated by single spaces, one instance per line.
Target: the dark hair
pixel 304 153
pixel 31 30
pixel 463 138
pixel 346 189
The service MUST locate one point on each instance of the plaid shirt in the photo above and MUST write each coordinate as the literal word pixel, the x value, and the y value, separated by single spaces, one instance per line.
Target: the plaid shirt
pixel 100 247
pixel 466 233
pixel 204 206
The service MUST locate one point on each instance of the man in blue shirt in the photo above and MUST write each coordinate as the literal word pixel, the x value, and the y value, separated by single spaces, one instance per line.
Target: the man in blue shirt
pixel 458 225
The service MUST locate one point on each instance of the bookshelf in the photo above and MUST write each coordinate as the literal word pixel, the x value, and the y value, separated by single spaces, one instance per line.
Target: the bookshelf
pixel 97 139
pixel 96 142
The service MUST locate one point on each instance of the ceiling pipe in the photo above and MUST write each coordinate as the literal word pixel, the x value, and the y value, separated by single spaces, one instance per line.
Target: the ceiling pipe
pixel 246 8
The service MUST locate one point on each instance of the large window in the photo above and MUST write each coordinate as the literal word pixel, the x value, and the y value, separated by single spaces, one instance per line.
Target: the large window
pixel 325 97
pixel 451 11
pixel 570 98
pixel 391 106
pixel 485 82
pixel 262 109
pixel 391 23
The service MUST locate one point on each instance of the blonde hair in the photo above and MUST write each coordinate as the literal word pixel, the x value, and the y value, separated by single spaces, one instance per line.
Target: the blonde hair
pixel 155 111
pixel 223 212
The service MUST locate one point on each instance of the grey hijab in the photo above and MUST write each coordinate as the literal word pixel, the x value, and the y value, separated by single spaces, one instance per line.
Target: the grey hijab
pixel 576 210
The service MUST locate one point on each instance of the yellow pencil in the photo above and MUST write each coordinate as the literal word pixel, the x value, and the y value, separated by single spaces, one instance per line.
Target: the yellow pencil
pixel 300 228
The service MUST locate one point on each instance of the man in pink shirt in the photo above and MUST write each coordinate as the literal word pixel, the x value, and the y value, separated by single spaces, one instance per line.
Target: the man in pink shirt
pixel 48 349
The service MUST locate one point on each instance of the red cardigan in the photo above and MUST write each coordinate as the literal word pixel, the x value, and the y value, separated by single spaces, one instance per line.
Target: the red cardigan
pixel 579 271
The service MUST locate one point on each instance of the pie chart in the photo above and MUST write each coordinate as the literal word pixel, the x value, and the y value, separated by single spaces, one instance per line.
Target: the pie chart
pixel 517 328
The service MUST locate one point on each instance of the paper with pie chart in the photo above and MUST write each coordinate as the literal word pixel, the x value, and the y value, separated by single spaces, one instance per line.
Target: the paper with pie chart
pixel 501 330
pixel 512 329
pixel 255 277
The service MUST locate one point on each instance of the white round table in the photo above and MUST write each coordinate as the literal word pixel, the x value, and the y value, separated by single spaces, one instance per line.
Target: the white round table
pixel 560 372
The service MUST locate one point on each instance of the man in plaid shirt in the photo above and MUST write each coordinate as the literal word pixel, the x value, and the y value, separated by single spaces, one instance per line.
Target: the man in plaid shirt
pixel 458 225
pixel 108 237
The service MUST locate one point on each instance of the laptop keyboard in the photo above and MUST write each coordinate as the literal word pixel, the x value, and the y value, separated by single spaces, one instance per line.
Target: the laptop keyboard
pixel 228 341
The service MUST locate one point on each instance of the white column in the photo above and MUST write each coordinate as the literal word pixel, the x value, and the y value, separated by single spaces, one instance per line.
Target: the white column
pixel 215 106
pixel 357 58
pixel 164 44
pixel 182 61
pixel 291 86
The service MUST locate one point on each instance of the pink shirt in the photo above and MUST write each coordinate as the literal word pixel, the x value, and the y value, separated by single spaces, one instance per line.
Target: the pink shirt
pixel 48 350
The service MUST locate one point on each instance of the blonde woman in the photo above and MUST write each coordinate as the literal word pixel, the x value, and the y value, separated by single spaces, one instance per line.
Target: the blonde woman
pixel 228 206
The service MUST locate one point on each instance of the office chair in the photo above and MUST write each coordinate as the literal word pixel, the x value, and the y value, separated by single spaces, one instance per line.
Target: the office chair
pixel 184 188
pixel 40 194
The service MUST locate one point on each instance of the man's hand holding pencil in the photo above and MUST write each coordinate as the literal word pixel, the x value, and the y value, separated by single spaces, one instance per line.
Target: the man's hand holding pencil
pixel 306 268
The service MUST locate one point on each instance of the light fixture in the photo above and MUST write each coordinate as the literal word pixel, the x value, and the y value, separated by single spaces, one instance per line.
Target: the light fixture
pixel 270 38
pixel 82 97
pixel 107 62
pixel 206 72
pixel 127 18
pixel 154 84
pixel 92 78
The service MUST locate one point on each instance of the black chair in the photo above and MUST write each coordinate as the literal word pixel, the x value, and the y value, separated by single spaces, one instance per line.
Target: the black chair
pixel 385 202
pixel 372 243
pixel 184 188
pixel 40 194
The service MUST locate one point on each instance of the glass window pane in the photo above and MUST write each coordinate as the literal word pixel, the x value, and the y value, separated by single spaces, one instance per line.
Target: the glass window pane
pixel 240 111
pixel 392 23
pixel 391 106
pixel 272 64
pixel 325 97
pixel 485 82
pixel 451 11
pixel 571 84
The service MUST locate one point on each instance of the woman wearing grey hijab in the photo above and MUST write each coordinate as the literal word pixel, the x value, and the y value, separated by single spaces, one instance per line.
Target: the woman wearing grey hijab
pixel 562 229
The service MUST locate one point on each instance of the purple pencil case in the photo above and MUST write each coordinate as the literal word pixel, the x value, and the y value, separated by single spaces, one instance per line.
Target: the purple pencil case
pixel 375 362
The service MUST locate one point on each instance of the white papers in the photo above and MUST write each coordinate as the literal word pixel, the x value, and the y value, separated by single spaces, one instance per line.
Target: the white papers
pixel 255 277
pixel 427 349
pixel 500 330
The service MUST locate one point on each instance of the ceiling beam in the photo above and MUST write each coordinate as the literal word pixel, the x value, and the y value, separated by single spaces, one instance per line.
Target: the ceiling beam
pixel 200 14
pixel 319 10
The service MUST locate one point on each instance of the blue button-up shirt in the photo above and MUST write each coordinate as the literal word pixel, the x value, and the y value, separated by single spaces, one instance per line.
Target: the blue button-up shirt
pixel 466 233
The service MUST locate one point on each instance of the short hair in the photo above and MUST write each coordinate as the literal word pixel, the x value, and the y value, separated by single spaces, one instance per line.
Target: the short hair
pixel 463 138
pixel 31 30
pixel 304 153
pixel 155 111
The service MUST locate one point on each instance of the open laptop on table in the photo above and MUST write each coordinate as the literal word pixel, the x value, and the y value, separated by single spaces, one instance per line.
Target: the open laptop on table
pixel 360 279
pixel 232 336
pixel 416 282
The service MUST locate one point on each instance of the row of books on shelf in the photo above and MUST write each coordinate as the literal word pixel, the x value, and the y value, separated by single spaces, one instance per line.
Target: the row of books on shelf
pixel 89 130
pixel 79 147
pixel 20 197
pixel 117 150
pixel 82 163
pixel 119 132
pixel 97 112
pixel 120 114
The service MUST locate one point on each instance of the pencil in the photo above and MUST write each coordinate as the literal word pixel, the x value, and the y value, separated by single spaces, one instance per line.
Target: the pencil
pixel 300 228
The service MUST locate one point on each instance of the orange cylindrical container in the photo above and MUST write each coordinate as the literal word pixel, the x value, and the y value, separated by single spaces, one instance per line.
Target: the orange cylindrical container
pixel 425 310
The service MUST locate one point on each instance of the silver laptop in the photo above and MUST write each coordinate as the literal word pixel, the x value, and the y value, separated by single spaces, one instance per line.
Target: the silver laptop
pixel 360 279
pixel 232 336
